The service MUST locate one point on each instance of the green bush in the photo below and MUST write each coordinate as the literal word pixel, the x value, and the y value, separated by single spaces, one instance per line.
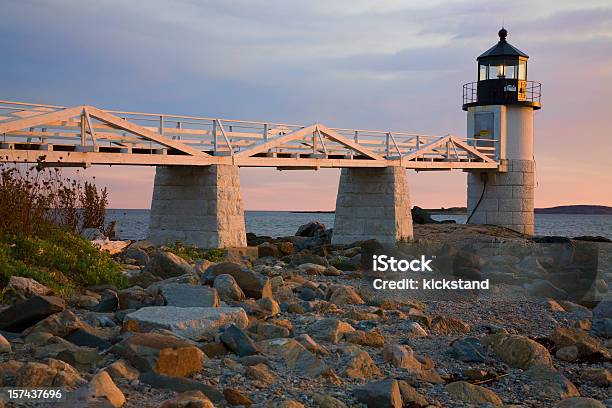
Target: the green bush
pixel 193 254
pixel 32 197
pixel 41 213
pixel 60 259
pixel 342 264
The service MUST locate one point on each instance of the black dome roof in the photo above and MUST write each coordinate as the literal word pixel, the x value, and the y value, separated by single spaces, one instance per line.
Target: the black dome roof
pixel 503 48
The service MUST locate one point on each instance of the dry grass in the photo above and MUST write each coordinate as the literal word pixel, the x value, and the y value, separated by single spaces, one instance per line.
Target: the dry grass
pixel 41 215
pixel 31 198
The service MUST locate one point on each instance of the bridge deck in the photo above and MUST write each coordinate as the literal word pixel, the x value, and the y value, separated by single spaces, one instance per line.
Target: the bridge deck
pixel 85 135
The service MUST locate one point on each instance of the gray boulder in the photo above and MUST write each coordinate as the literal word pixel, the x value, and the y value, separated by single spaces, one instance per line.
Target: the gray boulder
pixel 185 295
pixel 239 341
pixel 19 289
pixel 137 254
pixel 166 265
pixel 160 352
pixel 189 279
pixel 299 259
pixel 543 288
pixel 252 284
pixel 311 229
pixel 179 384
pixel 196 323
pixel 379 394
pixel 329 329
pixel 137 297
pixel 23 315
pixel 469 350
pixel 603 310
pixel 228 288
pixel 602 328
pixel 295 356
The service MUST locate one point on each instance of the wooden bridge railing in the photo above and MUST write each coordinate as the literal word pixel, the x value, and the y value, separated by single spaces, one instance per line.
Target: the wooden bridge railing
pixel 27 126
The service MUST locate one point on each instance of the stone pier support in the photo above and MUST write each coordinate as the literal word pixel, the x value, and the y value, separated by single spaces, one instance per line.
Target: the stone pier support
pixel 199 206
pixel 373 203
pixel 508 198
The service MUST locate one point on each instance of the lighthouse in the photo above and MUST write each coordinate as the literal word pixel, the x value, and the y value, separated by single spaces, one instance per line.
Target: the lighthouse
pixel 500 115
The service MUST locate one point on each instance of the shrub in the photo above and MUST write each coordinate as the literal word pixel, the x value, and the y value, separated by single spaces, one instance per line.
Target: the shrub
pixel 33 197
pixel 93 203
pixel 192 254
pixel 342 264
pixel 41 214
pixel 62 261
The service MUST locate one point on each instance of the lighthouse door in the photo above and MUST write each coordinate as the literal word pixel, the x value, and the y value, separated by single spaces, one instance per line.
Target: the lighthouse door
pixel 484 129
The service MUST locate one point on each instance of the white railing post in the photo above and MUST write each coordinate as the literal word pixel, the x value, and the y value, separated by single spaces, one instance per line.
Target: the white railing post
pixel 83 130
pixel 387 145
pixel 214 135
pixel 399 152
pixel 497 142
pixel 226 138
pixel 178 126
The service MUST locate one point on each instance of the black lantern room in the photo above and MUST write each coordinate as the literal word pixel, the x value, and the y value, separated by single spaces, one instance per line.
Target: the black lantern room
pixel 502 78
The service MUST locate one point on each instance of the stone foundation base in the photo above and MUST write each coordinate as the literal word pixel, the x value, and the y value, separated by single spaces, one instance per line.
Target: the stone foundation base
pixel 199 206
pixel 508 199
pixel 372 203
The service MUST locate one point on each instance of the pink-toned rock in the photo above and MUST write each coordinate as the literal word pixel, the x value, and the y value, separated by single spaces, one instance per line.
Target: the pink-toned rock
pixel 401 356
pixel 54 373
pixel 518 351
pixel 101 391
pixel 360 365
pixel 329 329
pixel 19 289
pixel 163 354
pixel 188 399
pixel 343 295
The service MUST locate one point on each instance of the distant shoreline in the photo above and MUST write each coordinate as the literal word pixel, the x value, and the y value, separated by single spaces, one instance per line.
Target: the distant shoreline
pixel 576 209
pixel 310 212
pixel 562 209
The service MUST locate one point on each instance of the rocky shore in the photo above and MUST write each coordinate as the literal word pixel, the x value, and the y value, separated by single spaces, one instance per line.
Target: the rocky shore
pixel 294 322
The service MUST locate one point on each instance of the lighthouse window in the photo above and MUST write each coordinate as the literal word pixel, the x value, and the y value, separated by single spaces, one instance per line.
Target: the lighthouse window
pixel 496 71
pixel 510 72
pixel 482 73
pixel 522 71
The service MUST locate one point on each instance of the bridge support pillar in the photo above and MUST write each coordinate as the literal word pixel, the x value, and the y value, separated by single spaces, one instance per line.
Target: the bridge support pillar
pixel 199 206
pixel 373 203
pixel 507 199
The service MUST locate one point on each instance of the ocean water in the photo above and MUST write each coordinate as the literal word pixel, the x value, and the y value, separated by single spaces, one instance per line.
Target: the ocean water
pixel 133 224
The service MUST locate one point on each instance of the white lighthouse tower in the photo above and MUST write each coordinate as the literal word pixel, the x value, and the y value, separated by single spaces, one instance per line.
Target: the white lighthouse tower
pixel 500 107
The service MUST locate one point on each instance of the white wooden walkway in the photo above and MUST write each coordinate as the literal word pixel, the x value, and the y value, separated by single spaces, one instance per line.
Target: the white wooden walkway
pixel 85 135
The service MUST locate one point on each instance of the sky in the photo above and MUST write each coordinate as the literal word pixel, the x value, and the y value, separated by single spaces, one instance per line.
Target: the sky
pixel 385 64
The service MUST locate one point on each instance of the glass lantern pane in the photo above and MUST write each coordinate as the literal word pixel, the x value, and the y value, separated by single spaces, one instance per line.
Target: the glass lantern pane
pixel 482 73
pixel 496 71
pixel 510 72
pixel 522 71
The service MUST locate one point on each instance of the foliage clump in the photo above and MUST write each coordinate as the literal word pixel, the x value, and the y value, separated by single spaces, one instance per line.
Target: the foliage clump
pixel 342 264
pixel 31 198
pixel 41 215
pixel 61 260
pixel 193 254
